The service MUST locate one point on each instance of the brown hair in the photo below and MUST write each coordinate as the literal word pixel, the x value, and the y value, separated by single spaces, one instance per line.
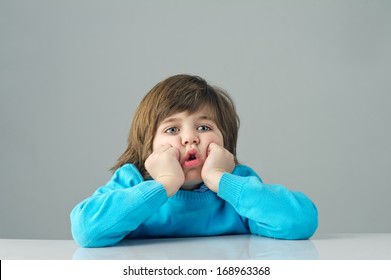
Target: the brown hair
pixel 177 94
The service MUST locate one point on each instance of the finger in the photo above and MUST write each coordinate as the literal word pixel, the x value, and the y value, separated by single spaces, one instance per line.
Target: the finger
pixel 163 148
pixel 212 146
pixel 175 151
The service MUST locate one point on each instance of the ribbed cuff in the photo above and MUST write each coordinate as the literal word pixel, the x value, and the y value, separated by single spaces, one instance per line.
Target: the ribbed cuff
pixel 230 187
pixel 154 194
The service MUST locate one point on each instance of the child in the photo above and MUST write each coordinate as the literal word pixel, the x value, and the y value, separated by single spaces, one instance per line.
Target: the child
pixel 179 176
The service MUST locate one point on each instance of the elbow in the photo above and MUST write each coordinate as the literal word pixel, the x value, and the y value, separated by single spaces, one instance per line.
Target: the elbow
pixel 301 226
pixel 304 229
pixel 86 238
pixel 80 234
pixel 90 235
pixel 304 221
pixel 83 232
pixel 82 240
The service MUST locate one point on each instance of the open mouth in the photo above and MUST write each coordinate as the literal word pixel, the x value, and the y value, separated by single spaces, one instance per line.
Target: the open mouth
pixel 192 159
pixel 191 155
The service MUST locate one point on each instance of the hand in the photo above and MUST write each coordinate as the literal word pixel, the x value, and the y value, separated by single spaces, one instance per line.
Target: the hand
pixel 164 167
pixel 219 160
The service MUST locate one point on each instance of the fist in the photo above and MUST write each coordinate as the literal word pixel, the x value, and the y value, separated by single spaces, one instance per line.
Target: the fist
pixel 218 161
pixel 164 167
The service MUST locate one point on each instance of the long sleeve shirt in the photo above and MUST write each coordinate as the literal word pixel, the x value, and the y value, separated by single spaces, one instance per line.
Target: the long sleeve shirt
pixel 130 207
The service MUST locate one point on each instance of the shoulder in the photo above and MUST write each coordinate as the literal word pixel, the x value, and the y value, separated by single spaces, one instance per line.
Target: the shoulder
pixel 127 175
pixel 244 171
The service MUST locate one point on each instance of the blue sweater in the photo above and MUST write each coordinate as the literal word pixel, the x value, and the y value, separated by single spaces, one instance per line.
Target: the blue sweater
pixel 130 207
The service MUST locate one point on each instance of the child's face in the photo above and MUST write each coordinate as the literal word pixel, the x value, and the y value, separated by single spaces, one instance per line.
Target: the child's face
pixel 191 134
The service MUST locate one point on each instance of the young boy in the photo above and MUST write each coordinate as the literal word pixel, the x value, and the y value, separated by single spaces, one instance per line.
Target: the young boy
pixel 180 176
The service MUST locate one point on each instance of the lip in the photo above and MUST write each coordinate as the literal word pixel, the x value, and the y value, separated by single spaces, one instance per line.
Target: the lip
pixel 192 159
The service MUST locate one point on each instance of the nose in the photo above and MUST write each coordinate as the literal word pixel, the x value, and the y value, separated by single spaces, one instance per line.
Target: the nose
pixel 190 138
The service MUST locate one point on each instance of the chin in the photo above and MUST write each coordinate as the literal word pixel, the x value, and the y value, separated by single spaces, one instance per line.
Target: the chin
pixel 192 182
pixel 193 175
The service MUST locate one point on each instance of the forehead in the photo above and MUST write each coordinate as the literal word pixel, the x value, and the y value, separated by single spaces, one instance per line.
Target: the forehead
pixel 202 114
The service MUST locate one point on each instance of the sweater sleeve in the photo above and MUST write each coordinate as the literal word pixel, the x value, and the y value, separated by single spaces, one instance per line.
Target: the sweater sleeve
pixel 116 209
pixel 271 210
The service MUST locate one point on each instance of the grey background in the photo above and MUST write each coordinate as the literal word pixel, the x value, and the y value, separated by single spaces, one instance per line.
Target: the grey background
pixel 311 81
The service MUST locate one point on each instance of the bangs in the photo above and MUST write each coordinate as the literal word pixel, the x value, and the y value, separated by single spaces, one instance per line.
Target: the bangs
pixel 190 101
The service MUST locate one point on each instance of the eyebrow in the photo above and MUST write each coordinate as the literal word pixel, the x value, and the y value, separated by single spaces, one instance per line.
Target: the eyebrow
pixel 203 117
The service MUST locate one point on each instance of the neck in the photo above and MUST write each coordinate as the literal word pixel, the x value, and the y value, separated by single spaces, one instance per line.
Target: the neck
pixel 191 185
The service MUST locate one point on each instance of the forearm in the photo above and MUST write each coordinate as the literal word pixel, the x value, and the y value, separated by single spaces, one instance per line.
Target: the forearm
pixel 106 218
pixel 272 210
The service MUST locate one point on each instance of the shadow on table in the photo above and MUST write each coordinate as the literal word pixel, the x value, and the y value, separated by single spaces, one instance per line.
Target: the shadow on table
pixel 204 248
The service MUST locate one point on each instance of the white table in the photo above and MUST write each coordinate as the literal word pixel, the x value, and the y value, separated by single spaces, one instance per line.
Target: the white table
pixel 322 247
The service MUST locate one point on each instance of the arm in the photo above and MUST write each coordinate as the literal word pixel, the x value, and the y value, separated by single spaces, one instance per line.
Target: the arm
pixel 272 210
pixel 116 209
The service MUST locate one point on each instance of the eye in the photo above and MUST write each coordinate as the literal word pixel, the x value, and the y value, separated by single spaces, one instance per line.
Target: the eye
pixel 203 128
pixel 172 130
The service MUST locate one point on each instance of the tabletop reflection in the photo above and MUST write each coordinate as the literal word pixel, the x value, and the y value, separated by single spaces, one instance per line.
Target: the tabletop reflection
pixel 204 248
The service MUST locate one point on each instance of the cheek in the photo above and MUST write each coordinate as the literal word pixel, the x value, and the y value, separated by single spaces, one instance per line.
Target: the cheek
pixel 220 141
pixel 161 140
pixel 156 143
pixel 217 138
